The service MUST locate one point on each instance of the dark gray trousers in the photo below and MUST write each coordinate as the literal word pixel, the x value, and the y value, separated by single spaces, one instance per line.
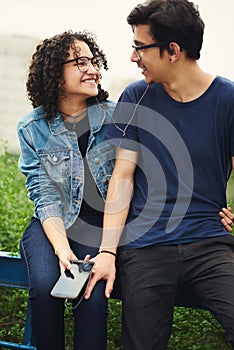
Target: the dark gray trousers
pixel 151 276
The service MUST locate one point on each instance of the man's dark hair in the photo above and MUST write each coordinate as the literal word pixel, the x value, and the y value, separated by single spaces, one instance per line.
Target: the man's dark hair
pixel 172 21
pixel 45 77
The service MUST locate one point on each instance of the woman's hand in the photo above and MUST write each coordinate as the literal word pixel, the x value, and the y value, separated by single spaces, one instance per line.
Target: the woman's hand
pixel 227 219
pixel 65 255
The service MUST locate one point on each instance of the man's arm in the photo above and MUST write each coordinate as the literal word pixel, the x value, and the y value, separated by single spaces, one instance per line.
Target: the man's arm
pixel 118 200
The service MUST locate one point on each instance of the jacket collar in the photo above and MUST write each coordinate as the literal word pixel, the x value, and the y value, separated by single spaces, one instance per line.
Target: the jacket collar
pixel 96 115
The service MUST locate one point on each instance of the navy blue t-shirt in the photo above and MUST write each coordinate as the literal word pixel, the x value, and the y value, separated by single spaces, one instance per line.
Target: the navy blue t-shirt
pixel 184 161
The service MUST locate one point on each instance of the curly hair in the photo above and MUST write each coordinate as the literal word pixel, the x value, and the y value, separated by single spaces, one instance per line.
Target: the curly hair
pixel 46 70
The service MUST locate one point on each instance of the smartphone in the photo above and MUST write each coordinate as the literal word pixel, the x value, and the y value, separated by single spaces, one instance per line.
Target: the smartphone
pixel 72 283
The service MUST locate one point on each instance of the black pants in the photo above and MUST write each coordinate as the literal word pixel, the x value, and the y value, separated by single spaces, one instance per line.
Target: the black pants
pixel 151 276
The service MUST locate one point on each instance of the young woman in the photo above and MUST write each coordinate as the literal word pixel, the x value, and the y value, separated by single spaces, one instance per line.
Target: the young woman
pixel 67 166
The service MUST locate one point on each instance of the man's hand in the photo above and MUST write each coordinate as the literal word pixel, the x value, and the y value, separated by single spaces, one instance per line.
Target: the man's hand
pixel 104 269
pixel 227 219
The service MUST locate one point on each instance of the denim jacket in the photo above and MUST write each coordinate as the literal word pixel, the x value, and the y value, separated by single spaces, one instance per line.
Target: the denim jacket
pixel 53 165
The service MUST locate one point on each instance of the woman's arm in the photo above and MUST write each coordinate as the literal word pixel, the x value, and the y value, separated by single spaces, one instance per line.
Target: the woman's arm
pixel 227 218
pixel 46 198
pixel 56 234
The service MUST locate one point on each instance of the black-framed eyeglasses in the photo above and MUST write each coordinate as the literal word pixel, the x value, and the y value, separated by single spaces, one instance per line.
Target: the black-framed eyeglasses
pixel 143 47
pixel 83 63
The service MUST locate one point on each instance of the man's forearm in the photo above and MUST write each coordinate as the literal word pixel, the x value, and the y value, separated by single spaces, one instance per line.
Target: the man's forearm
pixel 116 211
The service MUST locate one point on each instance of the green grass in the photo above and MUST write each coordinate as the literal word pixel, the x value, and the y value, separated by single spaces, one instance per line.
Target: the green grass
pixel 192 329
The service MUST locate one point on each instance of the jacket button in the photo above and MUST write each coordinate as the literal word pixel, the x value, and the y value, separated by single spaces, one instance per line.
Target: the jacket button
pixel 54 159
pixel 105 182
pixel 97 161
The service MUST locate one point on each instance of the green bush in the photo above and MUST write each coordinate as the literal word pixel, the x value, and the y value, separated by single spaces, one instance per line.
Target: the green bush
pixel 15 208
pixel 192 329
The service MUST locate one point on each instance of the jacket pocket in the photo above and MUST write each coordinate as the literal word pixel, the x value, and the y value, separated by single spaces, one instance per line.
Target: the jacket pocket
pixel 57 164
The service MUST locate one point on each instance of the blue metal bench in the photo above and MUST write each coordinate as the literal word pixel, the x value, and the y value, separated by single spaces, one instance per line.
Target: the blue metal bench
pixel 13 273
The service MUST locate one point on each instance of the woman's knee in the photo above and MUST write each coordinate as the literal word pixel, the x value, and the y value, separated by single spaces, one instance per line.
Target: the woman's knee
pixel 97 304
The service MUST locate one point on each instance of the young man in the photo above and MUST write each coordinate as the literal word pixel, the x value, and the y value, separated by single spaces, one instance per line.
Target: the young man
pixel 175 136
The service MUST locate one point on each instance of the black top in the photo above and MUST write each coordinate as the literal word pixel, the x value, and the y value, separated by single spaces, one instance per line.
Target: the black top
pixel 92 204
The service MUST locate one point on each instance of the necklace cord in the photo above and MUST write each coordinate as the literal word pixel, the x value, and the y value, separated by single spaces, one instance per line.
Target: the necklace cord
pixel 81 114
